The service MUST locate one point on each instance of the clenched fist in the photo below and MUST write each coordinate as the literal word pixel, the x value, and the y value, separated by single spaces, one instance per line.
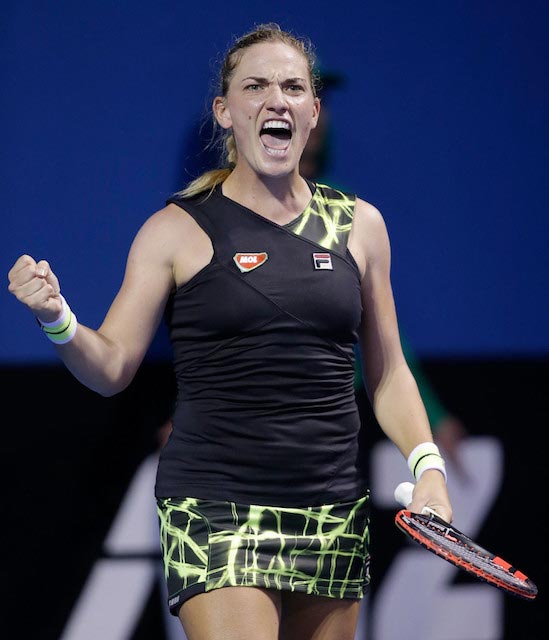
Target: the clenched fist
pixel 35 285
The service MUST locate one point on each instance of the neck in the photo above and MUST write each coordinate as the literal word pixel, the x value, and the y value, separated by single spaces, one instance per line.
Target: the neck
pixel 280 199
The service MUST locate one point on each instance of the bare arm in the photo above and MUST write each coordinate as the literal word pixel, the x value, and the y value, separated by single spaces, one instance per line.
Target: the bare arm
pixel 107 359
pixel 391 386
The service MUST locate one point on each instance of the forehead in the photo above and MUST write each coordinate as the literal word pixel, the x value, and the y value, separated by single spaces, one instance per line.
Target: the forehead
pixel 266 59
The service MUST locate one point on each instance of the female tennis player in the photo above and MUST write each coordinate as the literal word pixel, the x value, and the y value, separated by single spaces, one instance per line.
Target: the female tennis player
pixel 267 280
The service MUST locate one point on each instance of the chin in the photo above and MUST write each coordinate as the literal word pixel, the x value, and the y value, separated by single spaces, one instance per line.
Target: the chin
pixel 277 168
pixel 276 172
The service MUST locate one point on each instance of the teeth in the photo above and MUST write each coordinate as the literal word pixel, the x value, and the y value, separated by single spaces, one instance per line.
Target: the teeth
pixel 276 124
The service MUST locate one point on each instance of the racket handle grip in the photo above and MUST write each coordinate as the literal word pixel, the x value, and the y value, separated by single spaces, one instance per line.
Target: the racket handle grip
pixel 403 493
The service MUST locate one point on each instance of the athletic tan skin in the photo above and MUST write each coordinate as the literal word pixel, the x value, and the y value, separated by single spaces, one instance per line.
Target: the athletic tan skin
pixel 271 82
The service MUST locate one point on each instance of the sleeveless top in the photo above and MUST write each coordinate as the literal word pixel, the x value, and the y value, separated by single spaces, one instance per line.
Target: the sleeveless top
pixel 263 343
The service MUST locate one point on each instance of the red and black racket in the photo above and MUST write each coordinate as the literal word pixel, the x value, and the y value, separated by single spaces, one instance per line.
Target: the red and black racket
pixel 438 536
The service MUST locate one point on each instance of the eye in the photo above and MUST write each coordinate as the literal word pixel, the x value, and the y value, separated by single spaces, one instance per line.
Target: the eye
pixel 253 87
pixel 295 88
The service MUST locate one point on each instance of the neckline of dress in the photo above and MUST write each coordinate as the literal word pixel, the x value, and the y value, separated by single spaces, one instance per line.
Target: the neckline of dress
pixel 312 186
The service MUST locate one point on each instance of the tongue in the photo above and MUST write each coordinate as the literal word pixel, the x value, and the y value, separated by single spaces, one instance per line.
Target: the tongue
pixel 274 142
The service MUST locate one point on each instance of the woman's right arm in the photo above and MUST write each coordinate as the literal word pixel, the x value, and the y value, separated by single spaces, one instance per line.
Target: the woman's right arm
pixel 106 359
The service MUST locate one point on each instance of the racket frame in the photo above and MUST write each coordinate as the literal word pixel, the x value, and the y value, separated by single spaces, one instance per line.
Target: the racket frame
pixel 406 521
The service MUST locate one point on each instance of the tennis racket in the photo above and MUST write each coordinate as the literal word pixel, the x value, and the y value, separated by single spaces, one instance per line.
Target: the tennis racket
pixel 438 536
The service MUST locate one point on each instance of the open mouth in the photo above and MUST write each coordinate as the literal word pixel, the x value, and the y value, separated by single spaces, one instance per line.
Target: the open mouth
pixel 276 136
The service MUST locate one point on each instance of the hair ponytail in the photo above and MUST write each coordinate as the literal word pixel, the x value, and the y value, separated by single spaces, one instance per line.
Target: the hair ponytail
pixel 209 180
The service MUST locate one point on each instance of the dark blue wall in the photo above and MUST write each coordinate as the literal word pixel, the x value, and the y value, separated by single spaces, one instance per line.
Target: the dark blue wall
pixel 442 124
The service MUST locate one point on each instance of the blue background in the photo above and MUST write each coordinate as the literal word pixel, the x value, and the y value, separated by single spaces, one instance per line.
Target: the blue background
pixel 441 123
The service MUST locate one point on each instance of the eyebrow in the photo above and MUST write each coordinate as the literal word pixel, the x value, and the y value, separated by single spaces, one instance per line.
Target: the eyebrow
pixel 259 79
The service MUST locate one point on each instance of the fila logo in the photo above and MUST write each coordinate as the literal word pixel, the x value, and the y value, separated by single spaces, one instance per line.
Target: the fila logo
pixel 249 261
pixel 322 261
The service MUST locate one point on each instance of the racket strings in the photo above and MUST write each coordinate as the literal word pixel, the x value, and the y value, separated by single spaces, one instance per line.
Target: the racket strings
pixel 466 553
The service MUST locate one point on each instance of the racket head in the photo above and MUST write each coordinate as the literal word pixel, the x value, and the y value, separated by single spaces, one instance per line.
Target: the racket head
pixel 441 538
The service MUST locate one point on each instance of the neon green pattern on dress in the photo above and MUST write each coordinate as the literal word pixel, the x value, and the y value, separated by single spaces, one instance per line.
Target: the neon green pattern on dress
pixel 316 550
pixel 328 218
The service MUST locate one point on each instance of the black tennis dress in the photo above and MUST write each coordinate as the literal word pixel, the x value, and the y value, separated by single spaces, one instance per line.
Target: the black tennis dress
pixel 260 483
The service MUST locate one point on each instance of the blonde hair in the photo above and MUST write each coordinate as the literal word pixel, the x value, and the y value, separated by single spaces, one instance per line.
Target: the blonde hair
pixel 224 139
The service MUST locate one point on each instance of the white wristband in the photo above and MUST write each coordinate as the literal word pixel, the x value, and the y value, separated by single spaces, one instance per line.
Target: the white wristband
pixel 426 456
pixel 62 330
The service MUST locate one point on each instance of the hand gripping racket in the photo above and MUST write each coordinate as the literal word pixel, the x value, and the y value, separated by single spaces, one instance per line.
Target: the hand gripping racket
pixel 440 537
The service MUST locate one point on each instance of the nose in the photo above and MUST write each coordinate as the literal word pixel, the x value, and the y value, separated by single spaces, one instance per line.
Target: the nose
pixel 276 99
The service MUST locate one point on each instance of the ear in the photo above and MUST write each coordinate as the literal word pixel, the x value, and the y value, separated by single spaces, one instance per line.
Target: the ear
pixel 221 112
pixel 316 113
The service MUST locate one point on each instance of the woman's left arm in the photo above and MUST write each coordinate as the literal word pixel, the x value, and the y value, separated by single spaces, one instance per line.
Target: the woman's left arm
pixel 391 387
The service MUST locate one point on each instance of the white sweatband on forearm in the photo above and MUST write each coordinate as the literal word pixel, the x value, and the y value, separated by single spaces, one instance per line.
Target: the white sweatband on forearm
pixel 426 456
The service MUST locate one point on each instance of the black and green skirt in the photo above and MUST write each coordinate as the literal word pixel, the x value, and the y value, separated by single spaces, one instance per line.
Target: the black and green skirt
pixel 206 545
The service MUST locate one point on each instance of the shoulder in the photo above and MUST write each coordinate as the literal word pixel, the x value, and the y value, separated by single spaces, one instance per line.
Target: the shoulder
pixel 368 214
pixel 164 222
pixel 368 221
pixel 162 232
pixel 369 240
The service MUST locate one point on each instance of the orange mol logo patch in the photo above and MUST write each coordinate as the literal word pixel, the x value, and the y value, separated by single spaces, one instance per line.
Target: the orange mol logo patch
pixel 249 261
